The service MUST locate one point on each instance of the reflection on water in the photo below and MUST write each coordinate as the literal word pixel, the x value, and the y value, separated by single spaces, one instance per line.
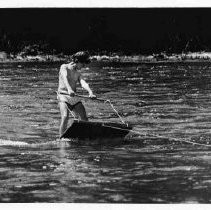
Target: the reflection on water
pixel 168 100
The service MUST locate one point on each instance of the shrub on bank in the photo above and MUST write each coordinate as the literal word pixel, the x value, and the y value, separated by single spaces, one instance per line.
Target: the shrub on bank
pixel 3 55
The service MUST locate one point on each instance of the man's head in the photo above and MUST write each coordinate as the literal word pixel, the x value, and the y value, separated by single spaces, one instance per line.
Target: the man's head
pixel 82 57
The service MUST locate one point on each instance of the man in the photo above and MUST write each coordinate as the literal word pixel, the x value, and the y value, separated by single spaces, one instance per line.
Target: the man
pixel 68 79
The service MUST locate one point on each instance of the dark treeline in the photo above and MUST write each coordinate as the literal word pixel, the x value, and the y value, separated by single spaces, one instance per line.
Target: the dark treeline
pixel 126 31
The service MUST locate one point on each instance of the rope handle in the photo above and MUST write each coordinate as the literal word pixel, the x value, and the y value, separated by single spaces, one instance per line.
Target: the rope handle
pixel 98 99
pixel 87 97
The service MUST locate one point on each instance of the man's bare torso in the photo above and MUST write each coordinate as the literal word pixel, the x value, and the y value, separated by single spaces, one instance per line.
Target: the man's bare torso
pixel 73 77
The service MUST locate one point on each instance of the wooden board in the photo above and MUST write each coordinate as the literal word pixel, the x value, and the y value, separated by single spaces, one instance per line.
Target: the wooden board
pixel 96 130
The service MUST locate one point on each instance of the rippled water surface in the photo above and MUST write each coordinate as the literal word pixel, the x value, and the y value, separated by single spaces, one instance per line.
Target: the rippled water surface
pixel 166 104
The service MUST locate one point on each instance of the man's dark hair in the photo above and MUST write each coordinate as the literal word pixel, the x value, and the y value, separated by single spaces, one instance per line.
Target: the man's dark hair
pixel 81 57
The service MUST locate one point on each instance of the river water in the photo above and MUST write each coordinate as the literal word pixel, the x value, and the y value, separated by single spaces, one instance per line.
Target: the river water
pixel 165 103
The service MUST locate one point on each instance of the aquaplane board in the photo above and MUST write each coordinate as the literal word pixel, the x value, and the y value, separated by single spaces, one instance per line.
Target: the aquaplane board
pixel 96 130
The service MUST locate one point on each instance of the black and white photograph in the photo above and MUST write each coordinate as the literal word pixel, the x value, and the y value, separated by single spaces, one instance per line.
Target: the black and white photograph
pixel 105 105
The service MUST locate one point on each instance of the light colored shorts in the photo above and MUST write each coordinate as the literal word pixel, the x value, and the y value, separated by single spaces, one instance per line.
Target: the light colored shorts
pixel 70 101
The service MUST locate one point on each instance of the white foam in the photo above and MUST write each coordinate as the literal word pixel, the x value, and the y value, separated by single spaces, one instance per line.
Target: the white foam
pixel 4 142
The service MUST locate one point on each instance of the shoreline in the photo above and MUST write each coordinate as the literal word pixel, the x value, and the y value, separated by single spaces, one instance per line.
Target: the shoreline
pixel 137 59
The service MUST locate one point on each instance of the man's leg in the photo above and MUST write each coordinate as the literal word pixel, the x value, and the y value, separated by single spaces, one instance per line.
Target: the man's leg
pixel 64 117
pixel 80 112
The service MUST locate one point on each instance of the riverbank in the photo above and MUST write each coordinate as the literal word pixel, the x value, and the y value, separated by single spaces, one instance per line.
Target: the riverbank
pixel 29 58
pixel 155 58
pixel 162 57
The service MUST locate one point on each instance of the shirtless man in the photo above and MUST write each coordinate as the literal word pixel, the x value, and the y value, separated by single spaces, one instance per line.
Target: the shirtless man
pixel 68 79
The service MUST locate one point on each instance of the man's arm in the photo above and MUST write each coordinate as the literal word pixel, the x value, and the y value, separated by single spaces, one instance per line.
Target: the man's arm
pixel 85 85
pixel 64 75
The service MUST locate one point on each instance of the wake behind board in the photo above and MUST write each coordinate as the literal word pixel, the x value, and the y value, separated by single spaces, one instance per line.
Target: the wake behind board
pixel 83 130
